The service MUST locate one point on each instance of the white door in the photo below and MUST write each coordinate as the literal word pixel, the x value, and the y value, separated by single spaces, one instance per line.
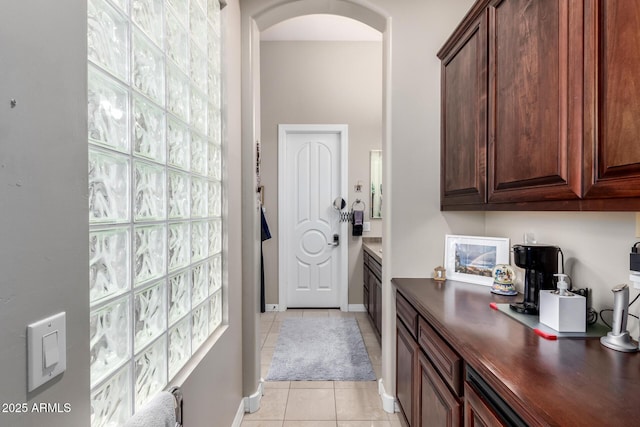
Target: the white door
pixel 312 173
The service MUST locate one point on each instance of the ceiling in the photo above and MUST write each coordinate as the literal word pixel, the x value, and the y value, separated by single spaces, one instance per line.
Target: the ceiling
pixel 321 27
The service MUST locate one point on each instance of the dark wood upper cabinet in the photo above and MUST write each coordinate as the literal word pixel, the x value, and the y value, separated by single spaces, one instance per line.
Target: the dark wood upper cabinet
pixel 612 99
pixel 534 146
pixel 464 120
pixel 541 106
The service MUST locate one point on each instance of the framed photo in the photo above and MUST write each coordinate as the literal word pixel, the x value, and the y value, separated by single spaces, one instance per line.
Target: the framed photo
pixel 472 258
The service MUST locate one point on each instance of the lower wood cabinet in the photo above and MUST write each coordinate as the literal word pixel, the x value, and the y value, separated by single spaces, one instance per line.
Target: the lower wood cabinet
pixel 422 389
pixel 407 365
pixel 438 406
pixel 377 284
pixel 476 412
pixel 431 389
pixel 372 292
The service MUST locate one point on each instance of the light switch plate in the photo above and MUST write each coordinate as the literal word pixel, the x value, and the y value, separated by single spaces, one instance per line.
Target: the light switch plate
pixel 47 336
pixel 366 226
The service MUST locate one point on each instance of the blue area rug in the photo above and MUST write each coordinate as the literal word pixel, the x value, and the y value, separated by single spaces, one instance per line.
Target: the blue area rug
pixel 320 349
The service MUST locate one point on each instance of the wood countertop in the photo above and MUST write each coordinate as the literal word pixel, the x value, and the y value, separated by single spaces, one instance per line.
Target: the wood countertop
pixel 568 382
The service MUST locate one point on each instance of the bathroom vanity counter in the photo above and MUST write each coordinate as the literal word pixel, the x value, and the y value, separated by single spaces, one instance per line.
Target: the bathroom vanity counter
pixel 373 246
pixel 568 382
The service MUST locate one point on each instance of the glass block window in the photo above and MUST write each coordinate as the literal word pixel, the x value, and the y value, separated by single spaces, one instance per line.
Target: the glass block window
pixel 155 195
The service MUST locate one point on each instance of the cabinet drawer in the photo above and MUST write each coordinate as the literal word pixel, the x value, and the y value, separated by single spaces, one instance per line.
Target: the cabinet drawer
pixel 407 314
pixel 446 361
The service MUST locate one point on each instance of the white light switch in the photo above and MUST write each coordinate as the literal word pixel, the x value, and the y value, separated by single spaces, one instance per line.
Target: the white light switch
pixel 366 226
pixel 46 350
pixel 50 352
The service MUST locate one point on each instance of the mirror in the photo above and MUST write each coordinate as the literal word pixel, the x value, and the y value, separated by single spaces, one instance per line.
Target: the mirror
pixel 339 203
pixel 376 183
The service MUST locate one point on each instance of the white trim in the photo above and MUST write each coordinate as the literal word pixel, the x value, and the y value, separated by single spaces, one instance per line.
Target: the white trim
pixel 252 403
pixel 360 308
pixel 237 420
pixel 388 401
pixel 388 332
pixel 283 240
pixel 271 307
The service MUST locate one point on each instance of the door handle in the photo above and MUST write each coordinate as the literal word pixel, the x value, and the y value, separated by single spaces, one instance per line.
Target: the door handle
pixel 336 240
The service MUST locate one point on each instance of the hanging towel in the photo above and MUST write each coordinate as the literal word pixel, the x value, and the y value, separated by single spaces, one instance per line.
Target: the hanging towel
pixel 356 220
pixel 160 411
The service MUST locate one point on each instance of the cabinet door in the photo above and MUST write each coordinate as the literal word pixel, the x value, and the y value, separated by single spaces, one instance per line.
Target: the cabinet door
pixel 365 299
pixel 476 412
pixel 406 372
pixel 612 99
pixel 535 94
pixel 365 287
pixel 438 406
pixel 464 118
pixel 378 314
pixel 372 302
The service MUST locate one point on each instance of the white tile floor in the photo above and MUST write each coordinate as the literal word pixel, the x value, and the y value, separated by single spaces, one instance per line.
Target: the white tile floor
pixel 319 403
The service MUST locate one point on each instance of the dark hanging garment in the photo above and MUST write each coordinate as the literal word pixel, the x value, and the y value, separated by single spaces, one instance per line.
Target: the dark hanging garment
pixel 266 235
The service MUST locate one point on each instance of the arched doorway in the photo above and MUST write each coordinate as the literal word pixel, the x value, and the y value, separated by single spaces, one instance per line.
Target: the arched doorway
pixel 257 16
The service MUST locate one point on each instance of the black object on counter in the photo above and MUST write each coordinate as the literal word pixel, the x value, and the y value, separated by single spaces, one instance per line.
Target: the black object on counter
pixel 540 263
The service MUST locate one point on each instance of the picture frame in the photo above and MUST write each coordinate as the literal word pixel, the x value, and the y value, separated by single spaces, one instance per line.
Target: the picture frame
pixel 471 259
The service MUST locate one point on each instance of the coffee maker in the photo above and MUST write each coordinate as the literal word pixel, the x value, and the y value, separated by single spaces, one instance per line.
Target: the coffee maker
pixel 540 263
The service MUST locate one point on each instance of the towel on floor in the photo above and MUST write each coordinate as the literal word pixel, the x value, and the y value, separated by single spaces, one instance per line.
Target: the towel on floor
pixel 357 219
pixel 160 411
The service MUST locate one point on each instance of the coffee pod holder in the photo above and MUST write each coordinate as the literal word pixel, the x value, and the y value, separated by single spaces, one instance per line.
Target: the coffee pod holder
pixel 619 339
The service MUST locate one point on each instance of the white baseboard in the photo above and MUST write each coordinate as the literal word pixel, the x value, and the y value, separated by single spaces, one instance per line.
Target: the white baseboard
pixel 351 307
pixel 388 401
pixel 252 403
pixel 357 308
pixel 237 421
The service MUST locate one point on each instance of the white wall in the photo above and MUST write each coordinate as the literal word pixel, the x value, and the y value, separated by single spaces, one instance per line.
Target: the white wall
pixel 596 247
pixel 44 230
pixel 320 82
pixel 44 225
pixel 418 227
